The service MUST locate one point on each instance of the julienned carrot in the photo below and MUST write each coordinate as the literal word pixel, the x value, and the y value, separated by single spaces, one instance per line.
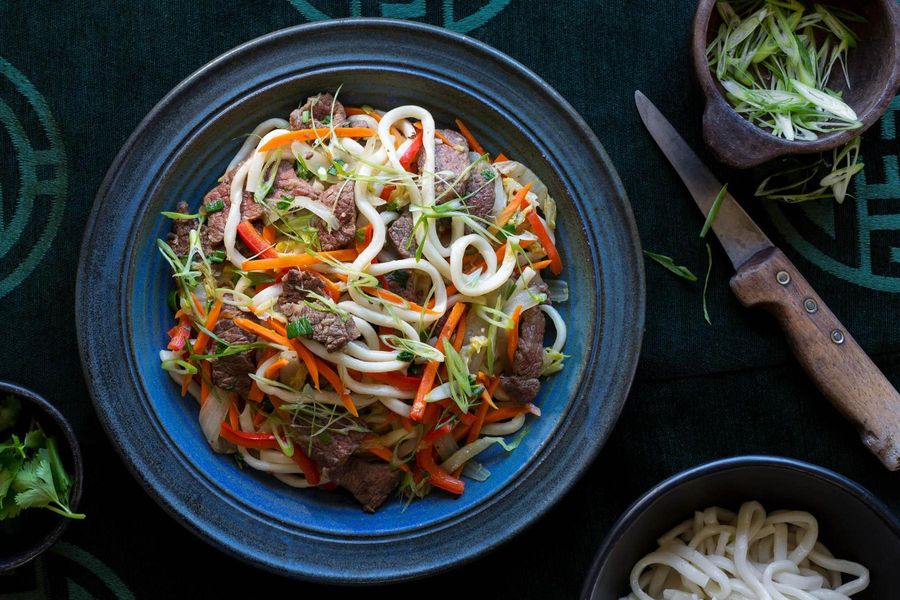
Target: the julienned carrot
pixel 338 386
pixel 257 244
pixel 437 134
pixel 419 404
pixel 490 387
pixel 255 394
pixel 200 310
pixel 500 158
pixel 541 232
pixel 302 351
pixel 473 143
pixel 387 456
pixel 513 337
pixel 308 135
pixel 479 418
pixel 269 233
pixel 437 476
pixel 543 264
pixel 275 367
pixel 211 320
pixel 367 239
pixel 508 412
pixel 460 333
pixel 204 380
pixel 233 417
pixel 285 261
pixel 398 300
pixel 513 206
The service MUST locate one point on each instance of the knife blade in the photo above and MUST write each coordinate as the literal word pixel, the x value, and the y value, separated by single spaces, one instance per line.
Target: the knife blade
pixel 737 232
pixel 766 278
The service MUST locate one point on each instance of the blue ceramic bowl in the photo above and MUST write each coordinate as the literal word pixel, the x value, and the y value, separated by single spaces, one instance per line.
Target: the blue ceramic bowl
pixel 853 523
pixel 179 150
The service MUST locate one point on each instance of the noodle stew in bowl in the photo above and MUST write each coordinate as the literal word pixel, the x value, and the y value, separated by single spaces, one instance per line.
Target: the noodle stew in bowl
pixel 359 301
pixel 179 153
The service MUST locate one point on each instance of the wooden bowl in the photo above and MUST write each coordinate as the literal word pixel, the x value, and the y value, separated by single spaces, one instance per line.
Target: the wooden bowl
pixel 874 67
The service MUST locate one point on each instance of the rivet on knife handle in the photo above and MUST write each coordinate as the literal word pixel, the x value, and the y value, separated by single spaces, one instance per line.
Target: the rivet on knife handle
pixel 831 357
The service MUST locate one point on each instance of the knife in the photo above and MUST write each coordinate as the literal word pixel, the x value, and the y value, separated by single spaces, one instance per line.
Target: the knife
pixel 765 278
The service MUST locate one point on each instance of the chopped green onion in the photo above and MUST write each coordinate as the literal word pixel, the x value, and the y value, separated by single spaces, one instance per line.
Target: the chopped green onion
pixel 214 206
pixel 706 284
pixel 217 256
pixel 304 116
pixel 714 210
pixel 668 263
pixel 413 347
pixel 299 327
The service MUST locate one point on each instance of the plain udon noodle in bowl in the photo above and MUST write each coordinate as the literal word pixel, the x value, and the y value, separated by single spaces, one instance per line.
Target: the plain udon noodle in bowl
pixel 750 555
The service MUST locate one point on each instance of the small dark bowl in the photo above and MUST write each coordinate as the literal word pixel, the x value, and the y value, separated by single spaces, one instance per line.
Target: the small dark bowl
pixel 34 531
pixel 853 523
pixel 874 67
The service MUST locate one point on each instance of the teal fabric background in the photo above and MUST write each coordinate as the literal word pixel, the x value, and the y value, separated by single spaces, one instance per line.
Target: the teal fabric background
pixel 77 76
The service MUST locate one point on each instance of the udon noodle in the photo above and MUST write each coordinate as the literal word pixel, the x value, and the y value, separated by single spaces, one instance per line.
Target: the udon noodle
pixel 750 555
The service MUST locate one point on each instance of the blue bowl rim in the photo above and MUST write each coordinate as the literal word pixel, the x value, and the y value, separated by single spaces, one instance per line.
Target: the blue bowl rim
pixel 53 413
pixel 639 506
pixel 636 314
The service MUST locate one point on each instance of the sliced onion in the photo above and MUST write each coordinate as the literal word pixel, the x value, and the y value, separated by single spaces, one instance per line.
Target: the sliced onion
pixel 316 208
pixel 212 414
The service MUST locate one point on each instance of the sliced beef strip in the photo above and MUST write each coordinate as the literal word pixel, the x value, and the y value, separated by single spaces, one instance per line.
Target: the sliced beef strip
pixel 400 232
pixel 296 283
pixel 530 351
pixel 179 239
pixel 480 193
pixel 522 386
pixel 214 231
pixel 288 184
pixel 231 372
pixel 449 165
pixel 370 482
pixel 328 328
pixel 330 451
pixel 406 283
pixel 520 389
pixel 340 198
pixel 318 109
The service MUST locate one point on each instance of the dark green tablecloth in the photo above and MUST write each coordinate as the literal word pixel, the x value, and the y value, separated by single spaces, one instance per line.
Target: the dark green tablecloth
pixel 75 79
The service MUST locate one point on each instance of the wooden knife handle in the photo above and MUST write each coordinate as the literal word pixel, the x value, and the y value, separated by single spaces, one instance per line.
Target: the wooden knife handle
pixel 825 349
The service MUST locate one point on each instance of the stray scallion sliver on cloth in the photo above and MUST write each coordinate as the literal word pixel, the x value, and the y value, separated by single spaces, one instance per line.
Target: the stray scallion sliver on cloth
pixel 684 272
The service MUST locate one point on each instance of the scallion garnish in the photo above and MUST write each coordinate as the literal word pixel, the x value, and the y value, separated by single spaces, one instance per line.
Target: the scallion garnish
pixel 217 256
pixel 668 263
pixel 214 206
pixel 706 283
pixel 775 60
pixel 299 327
pixel 713 211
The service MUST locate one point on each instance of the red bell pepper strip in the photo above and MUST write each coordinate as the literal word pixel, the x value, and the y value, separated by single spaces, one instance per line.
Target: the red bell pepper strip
pixel 247 439
pixel 180 334
pixel 412 152
pixel 259 246
pixel 309 468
